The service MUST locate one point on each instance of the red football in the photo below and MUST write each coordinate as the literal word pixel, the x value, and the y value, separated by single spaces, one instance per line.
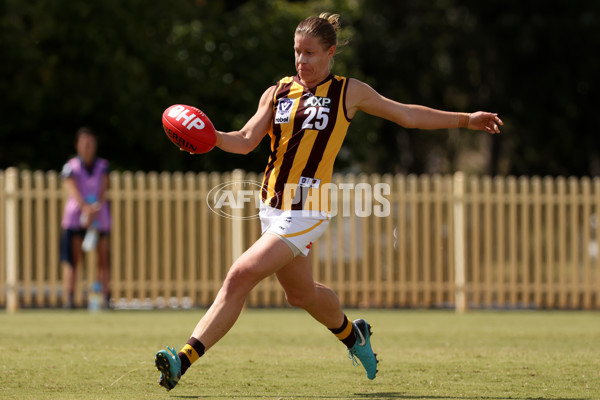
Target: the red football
pixel 189 128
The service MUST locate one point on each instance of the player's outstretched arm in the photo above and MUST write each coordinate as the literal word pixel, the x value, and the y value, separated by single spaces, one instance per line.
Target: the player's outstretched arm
pixel 247 138
pixel 364 98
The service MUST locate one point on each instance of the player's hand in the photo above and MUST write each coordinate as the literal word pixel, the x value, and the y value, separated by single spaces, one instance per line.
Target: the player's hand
pixel 91 211
pixel 485 121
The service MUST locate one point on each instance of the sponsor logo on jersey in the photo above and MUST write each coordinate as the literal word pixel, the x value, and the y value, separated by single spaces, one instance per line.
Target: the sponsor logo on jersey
pixel 309 182
pixel 316 101
pixel 284 110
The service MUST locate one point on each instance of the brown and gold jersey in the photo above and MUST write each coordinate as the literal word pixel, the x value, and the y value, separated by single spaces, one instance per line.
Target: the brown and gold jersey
pixel 309 126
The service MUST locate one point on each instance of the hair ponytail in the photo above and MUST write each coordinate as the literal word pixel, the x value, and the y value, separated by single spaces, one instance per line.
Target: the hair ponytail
pixel 333 19
pixel 324 27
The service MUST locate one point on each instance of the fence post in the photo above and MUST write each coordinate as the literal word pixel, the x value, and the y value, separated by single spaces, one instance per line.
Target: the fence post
pixel 459 243
pixel 237 220
pixel 12 290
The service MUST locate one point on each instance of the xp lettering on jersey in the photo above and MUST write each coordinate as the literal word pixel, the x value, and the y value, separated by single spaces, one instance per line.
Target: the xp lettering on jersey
pixel 316 101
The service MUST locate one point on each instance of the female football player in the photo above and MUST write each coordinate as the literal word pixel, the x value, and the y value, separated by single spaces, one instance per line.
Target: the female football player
pixel 307 117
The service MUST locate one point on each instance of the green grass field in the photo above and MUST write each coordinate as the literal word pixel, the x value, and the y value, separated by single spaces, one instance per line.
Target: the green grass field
pixel 284 354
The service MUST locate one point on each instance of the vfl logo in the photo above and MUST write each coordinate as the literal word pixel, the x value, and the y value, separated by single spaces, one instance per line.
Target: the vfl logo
pixel 284 110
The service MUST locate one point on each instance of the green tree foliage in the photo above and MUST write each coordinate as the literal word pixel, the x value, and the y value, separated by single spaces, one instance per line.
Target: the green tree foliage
pixel 116 65
pixel 532 62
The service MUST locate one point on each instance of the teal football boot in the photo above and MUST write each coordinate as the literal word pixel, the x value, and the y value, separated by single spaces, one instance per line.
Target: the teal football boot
pixel 362 348
pixel 169 365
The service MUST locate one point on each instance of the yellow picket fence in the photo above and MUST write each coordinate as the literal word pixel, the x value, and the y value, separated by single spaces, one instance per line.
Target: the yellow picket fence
pixel 394 241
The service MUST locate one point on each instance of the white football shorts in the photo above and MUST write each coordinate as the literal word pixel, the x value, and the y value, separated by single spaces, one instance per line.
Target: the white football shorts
pixel 297 228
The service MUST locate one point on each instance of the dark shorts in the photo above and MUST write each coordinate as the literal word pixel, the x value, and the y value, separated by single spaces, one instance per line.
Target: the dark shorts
pixel 66 253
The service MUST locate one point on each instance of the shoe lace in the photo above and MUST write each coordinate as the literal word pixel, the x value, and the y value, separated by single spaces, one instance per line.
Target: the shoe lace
pixel 353 358
pixel 173 350
pixel 174 355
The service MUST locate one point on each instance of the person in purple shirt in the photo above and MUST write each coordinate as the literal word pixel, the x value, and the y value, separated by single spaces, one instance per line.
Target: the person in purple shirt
pixel 86 213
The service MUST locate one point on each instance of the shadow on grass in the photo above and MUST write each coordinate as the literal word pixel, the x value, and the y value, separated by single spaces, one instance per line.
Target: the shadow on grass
pixel 380 395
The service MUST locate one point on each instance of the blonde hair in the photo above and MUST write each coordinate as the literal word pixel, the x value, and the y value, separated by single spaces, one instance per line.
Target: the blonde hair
pixel 323 27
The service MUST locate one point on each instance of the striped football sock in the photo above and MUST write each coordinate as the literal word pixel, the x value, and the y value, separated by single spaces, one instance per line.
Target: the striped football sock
pixel 345 333
pixel 191 352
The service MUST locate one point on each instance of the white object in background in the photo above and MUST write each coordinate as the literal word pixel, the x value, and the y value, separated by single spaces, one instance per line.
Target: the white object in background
pixel 90 240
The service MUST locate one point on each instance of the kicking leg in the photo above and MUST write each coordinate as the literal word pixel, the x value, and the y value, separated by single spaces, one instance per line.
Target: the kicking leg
pixel 265 257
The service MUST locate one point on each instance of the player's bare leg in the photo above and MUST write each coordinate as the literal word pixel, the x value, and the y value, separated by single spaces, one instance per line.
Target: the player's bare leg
pixel 323 304
pixel 264 258
pixel 104 267
pixel 70 270
pixel 302 291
